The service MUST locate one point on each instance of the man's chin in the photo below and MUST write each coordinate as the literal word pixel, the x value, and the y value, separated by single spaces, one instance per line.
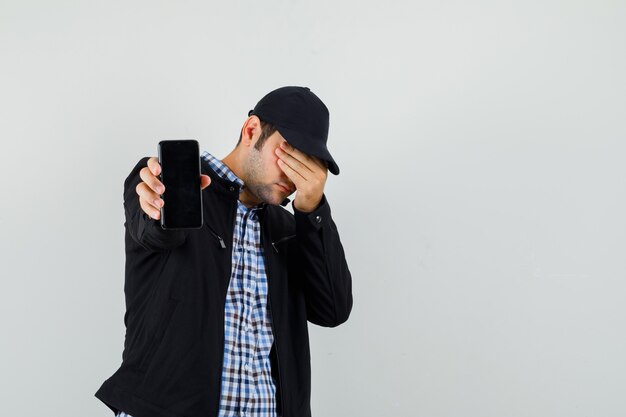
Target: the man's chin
pixel 269 194
pixel 273 198
pixel 277 201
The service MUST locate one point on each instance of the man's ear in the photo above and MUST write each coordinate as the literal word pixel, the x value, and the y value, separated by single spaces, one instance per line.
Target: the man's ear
pixel 251 131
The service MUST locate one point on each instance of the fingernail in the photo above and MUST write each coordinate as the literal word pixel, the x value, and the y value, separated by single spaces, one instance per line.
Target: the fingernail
pixel 160 189
pixel 157 202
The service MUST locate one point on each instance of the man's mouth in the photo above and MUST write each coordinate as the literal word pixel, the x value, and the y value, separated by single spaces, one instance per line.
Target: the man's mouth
pixel 285 188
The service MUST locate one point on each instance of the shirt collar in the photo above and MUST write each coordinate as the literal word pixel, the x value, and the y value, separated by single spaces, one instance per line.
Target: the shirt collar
pixel 222 169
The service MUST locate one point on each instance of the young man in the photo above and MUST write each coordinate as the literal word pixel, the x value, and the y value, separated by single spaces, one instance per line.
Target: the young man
pixel 216 318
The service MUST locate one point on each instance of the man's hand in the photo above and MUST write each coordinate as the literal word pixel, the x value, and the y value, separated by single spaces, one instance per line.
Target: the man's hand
pixel 151 189
pixel 308 174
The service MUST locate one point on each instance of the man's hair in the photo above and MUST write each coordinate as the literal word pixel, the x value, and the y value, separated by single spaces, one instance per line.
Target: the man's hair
pixel 267 130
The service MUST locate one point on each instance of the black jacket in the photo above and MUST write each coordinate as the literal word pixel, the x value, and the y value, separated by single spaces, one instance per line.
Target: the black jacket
pixel 176 285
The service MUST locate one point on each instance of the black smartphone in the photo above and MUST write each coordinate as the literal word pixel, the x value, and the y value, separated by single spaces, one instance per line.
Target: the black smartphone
pixel 180 174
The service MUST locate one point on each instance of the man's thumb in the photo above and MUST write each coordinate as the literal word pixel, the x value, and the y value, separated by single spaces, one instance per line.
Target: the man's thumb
pixel 205 180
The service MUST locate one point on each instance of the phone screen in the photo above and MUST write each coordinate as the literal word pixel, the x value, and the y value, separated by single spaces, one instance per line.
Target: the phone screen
pixel 180 173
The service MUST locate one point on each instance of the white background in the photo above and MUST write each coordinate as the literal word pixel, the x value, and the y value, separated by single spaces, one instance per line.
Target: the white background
pixel 481 201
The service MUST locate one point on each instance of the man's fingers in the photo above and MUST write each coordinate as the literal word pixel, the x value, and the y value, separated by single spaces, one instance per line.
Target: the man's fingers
pixel 154 166
pixel 314 160
pixel 151 181
pixel 293 163
pixel 319 162
pixel 304 159
pixel 310 161
pixel 292 174
pixel 149 209
pixel 148 196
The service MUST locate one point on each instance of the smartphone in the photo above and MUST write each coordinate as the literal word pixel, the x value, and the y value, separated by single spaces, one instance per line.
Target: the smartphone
pixel 180 174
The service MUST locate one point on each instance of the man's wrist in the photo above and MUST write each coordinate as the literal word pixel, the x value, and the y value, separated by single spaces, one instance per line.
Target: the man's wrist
pixel 307 207
pixel 313 221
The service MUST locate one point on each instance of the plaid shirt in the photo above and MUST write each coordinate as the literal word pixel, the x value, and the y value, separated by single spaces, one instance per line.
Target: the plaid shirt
pixel 247 385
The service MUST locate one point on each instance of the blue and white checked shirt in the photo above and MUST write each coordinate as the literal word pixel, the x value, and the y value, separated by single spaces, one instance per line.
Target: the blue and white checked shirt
pixel 247 385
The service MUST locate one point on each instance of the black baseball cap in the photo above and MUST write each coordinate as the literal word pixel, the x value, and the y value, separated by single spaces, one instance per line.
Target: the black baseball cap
pixel 301 118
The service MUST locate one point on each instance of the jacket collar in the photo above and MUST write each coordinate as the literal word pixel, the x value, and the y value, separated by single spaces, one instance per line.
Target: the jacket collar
pixel 221 181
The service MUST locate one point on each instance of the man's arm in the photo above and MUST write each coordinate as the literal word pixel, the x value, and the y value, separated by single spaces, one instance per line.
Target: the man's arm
pixel 320 258
pixel 321 263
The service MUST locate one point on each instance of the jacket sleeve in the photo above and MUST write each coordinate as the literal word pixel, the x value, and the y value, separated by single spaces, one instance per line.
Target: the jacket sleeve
pixel 142 229
pixel 322 264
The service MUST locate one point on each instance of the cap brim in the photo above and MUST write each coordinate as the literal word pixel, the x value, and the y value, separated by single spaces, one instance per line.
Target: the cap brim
pixel 310 146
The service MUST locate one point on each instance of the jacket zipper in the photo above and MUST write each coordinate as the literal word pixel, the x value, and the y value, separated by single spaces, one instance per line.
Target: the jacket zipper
pixel 281 240
pixel 218 237
pixel 233 216
pixel 269 300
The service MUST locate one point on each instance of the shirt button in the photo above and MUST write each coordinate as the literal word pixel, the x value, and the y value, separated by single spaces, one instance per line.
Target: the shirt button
pixel 232 188
pixel 318 219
